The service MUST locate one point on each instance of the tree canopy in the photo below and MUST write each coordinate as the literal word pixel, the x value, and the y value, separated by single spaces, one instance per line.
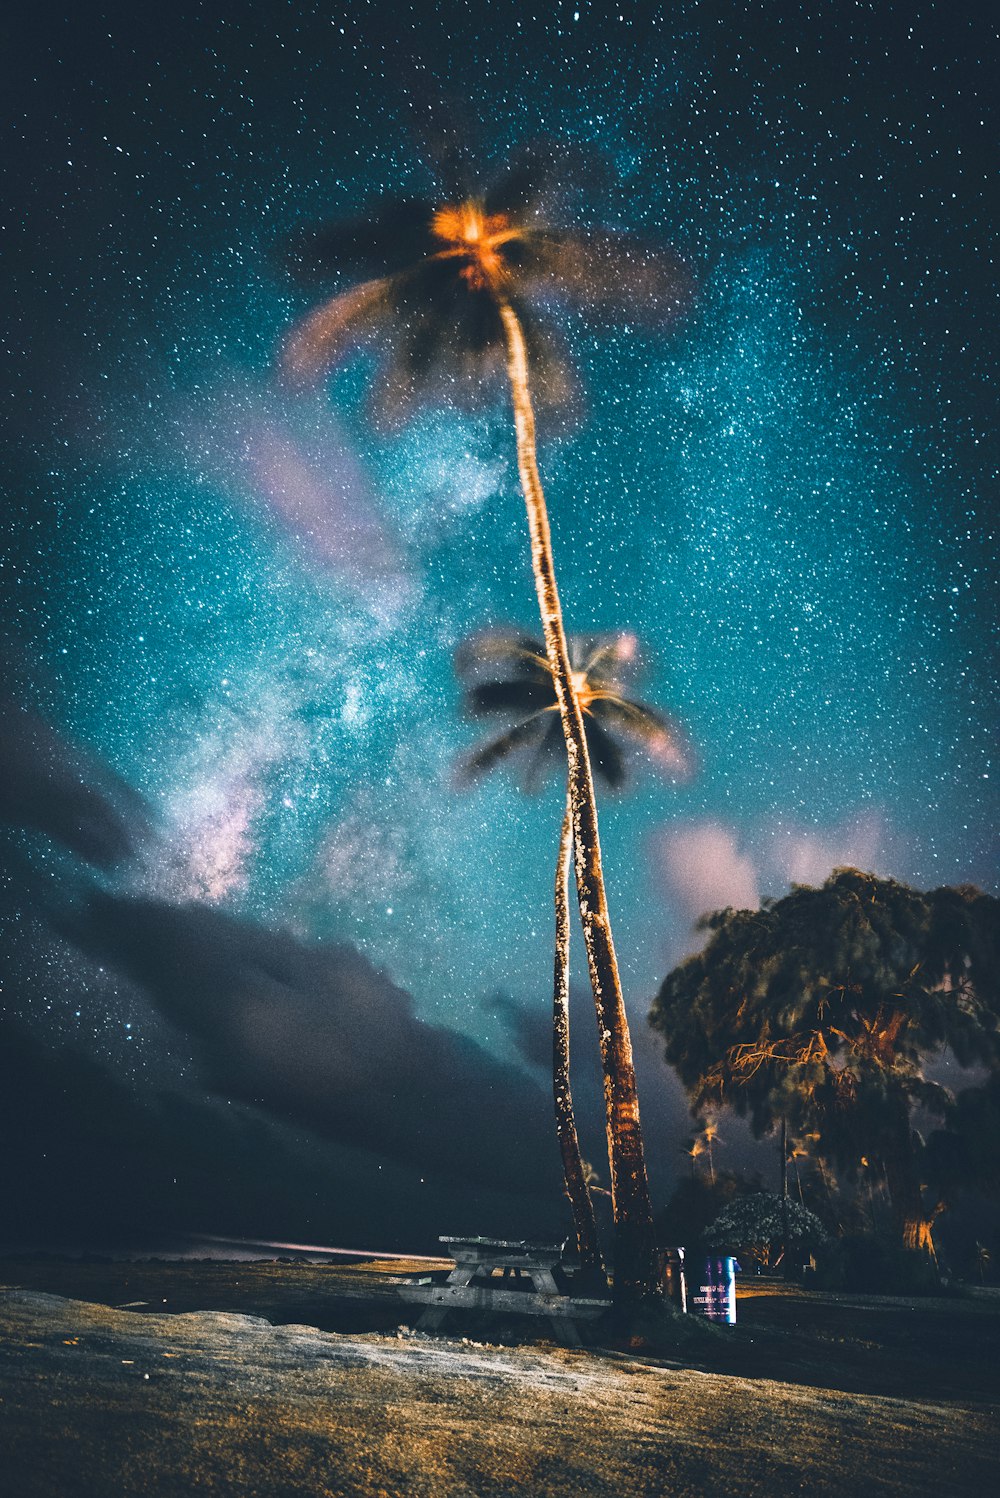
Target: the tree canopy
pixel 760 1219
pixel 825 1008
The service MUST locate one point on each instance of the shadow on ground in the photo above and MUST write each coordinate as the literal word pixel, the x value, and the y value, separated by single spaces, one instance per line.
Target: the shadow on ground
pixel 919 1348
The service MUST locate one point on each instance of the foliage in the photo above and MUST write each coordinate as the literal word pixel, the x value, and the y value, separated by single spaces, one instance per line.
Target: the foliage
pixel 824 1008
pixel 759 1219
pixel 872 1264
pixel 966 1154
pixel 506 675
pixel 438 271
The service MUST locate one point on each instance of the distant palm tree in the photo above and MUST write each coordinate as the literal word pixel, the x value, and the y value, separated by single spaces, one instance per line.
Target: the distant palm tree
pixel 694 1149
pixel 710 1135
pixel 508 675
pixel 457 286
pixel 798 1149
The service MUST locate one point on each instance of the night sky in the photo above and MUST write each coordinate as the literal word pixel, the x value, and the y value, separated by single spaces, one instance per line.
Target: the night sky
pixel 267 968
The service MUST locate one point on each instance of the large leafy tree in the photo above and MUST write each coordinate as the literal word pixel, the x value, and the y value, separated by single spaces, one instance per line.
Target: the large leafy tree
pixel 507 676
pixel 458 288
pixel 826 1008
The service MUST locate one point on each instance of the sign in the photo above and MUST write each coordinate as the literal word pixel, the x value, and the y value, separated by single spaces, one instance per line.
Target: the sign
pixel 715 1297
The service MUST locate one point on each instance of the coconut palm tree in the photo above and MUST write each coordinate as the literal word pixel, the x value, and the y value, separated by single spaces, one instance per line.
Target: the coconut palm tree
pixel 508 675
pixel 798 1149
pixel 694 1149
pixel 710 1135
pixel 457 286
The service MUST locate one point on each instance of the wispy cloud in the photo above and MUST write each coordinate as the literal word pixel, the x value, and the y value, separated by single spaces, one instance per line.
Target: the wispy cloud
pixel 704 868
pixel 808 855
pixel 708 865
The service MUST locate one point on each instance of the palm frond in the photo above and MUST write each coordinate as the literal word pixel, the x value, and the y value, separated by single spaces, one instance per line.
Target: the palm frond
pixel 520 695
pixel 443 270
pixel 483 758
pixel 551 750
pixel 504 671
pixel 395 236
pixel 661 738
pixel 519 654
pixel 612 660
pixel 315 343
pixel 610 276
pixel 554 385
pixel 525 185
pixel 606 758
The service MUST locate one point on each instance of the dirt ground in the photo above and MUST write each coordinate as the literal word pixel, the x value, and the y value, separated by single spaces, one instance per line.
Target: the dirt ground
pixel 193 1391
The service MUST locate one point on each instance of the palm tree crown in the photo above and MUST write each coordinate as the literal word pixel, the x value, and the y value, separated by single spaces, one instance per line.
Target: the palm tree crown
pixel 436 274
pixel 507 675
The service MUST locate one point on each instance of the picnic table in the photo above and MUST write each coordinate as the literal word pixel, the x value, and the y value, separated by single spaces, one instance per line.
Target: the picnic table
pixel 492 1275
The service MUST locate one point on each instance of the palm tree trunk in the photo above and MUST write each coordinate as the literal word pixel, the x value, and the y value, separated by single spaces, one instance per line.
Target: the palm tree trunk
pixel 784 1197
pixel 577 1189
pixel 635 1246
pixel 906 1202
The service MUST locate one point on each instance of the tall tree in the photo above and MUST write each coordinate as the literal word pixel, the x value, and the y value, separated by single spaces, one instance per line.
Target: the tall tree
pixel 508 676
pixel 823 1010
pixel 457 287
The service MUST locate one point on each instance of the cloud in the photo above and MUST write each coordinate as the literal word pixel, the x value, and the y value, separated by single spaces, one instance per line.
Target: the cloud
pixel 317 1036
pixel 90 1162
pixel 412 1127
pixel 704 869
pixel 48 786
pixel 800 855
pixel 707 866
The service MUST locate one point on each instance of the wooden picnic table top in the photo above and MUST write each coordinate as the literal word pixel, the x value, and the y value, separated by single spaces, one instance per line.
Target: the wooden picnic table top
pixel 492 1247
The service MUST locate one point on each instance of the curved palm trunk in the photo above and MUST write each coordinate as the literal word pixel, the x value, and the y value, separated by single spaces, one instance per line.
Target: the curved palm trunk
pixel 577 1189
pixel 634 1240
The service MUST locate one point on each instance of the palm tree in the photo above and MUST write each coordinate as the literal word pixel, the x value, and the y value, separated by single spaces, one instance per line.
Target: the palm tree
pixel 693 1149
pixel 457 285
pixel 798 1149
pixel 508 675
pixel 710 1134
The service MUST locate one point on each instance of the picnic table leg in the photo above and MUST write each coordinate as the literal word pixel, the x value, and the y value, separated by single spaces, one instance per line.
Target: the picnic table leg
pixel 565 1330
pixel 564 1327
pixel 432 1317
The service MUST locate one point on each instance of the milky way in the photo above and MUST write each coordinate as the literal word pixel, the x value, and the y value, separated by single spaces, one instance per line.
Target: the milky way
pixel 247 602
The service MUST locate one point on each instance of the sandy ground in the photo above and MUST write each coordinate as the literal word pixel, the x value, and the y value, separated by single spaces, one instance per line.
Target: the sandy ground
pixel 112 1402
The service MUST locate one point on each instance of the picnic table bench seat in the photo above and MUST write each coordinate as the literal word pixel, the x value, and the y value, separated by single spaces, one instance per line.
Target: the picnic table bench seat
pixel 496 1275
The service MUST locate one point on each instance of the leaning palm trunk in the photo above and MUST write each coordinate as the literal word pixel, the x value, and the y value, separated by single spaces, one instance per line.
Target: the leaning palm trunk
pixel 577 1190
pixel 633 1214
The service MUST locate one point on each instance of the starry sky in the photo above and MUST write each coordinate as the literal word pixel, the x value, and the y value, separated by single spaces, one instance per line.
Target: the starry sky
pixel 231 610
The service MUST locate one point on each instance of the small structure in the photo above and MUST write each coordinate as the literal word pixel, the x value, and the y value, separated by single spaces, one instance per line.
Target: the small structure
pixel 525 1279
